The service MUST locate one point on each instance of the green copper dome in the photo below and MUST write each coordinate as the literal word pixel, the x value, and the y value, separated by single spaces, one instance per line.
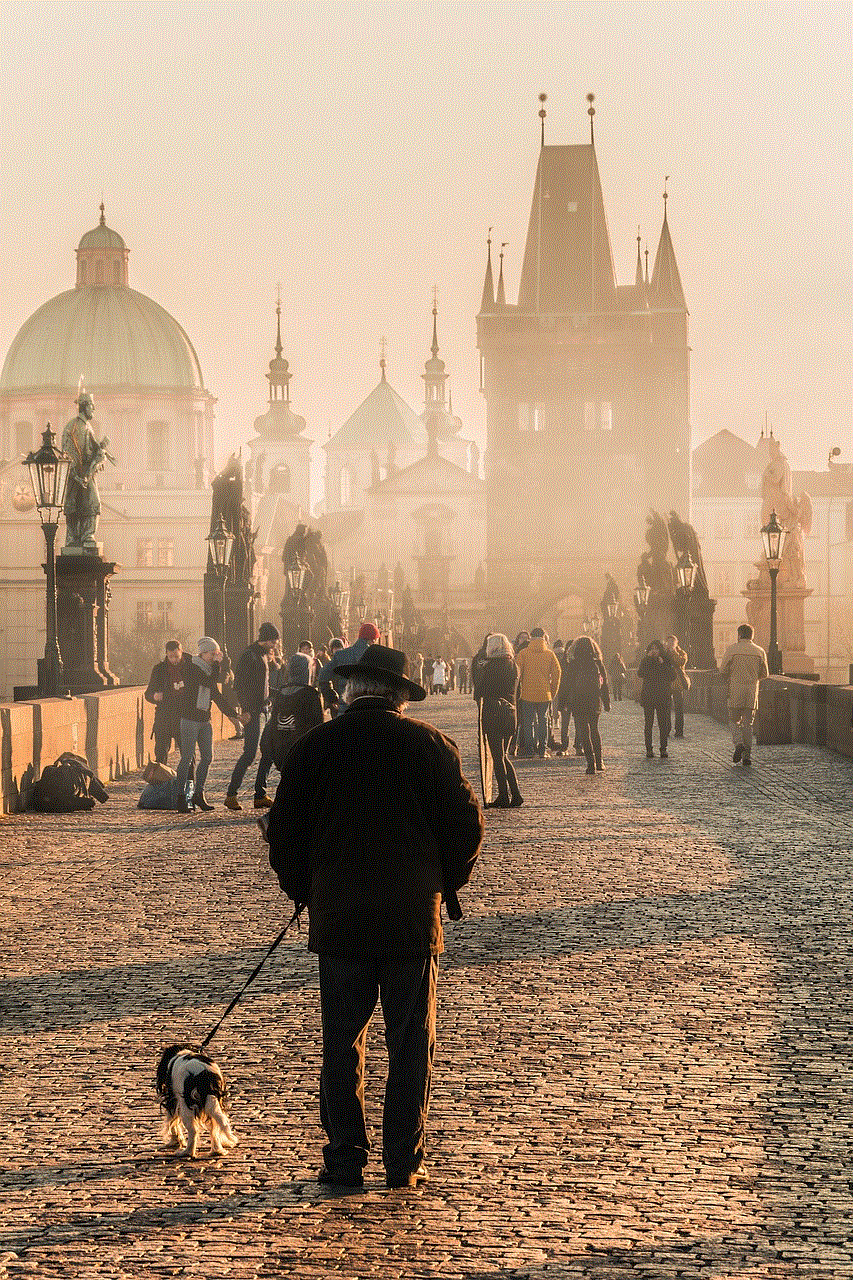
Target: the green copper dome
pixel 102 237
pixel 109 334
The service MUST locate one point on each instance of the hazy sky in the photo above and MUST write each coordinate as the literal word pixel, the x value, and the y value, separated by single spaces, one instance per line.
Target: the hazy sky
pixel 359 152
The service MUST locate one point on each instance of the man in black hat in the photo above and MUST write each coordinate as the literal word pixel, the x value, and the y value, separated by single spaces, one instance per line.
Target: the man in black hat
pixel 373 825
pixel 252 690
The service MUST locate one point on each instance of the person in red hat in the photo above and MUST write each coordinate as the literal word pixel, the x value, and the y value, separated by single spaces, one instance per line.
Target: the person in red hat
pixel 373 825
pixel 330 684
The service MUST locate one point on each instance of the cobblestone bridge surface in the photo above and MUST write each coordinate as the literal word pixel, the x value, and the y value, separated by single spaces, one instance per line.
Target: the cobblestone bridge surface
pixel 644 1063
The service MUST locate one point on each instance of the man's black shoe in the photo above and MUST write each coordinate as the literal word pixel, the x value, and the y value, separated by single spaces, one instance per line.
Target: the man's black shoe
pixel 415 1179
pixel 339 1178
pixel 738 752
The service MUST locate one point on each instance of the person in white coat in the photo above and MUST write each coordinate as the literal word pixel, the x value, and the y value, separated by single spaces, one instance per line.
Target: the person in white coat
pixel 744 665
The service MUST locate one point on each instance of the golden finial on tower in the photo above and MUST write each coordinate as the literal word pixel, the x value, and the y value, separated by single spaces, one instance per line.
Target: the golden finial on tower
pixel 383 351
pixel 590 97
pixel 543 98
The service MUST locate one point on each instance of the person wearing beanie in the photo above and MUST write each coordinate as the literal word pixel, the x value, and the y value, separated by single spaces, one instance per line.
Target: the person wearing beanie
pixel 201 688
pixel 331 686
pixel 297 708
pixel 252 690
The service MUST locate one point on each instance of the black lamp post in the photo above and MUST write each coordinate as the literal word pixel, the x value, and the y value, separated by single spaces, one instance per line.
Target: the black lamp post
pixel 773 536
pixel 685 570
pixel 49 477
pixel 221 544
pixel 296 575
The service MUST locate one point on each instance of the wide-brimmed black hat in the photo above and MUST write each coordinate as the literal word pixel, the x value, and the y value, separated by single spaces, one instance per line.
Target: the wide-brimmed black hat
pixel 386 664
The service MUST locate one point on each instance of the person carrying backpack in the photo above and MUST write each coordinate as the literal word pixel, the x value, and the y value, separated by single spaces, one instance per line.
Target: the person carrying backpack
pixel 588 691
pixel 298 707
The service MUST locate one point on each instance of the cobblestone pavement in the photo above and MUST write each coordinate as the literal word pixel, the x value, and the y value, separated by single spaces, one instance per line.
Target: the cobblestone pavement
pixel 644 1062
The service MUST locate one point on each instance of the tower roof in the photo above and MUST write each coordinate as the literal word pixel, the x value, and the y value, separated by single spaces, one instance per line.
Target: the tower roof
pixel 568 261
pixel 665 286
pixel 487 302
pixel 382 418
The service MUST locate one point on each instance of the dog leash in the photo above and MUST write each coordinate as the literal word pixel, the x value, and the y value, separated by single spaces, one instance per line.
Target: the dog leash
pixel 300 907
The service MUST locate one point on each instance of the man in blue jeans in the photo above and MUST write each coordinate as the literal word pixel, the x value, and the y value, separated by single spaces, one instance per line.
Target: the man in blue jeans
pixel 252 690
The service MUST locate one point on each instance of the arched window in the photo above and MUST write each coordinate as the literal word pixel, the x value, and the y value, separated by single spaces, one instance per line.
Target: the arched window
pixel 99 272
pixel 280 479
pixel 346 486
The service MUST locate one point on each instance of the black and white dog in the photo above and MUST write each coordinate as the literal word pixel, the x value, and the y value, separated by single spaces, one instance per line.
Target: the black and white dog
pixel 193 1094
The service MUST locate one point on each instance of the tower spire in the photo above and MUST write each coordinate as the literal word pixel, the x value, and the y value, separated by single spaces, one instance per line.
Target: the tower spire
pixel 543 98
pixel 487 302
pixel 638 276
pixel 102 221
pixel 590 97
pixel 279 375
pixel 278 346
pixel 500 300
pixel 434 374
pixel 383 350
pixel 434 347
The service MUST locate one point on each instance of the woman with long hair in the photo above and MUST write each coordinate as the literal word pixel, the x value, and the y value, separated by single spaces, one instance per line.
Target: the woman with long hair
pixel 657 673
pixel 589 692
pixel 496 688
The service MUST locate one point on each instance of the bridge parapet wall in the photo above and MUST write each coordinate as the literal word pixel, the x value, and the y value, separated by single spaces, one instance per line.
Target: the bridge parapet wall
pixel 111 729
pixel 789 710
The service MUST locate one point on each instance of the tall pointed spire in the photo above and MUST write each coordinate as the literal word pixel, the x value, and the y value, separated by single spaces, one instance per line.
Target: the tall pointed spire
pixel 383 351
pixel 666 289
pixel 500 300
pixel 638 275
pixel 434 374
pixel 103 219
pixel 543 98
pixel 279 375
pixel 487 302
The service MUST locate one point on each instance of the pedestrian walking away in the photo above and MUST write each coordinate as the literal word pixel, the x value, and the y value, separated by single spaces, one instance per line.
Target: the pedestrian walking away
pixel 618 672
pixel 656 673
pixel 744 666
pixel 328 679
pixel 297 708
pixel 589 692
pixel 373 825
pixel 201 689
pixel 680 682
pixel 497 686
pixel 540 680
pixel 252 690
pixel 166 692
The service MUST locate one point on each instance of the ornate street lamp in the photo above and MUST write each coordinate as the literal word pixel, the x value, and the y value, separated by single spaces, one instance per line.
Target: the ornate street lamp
pixel 221 543
pixel 296 577
pixel 49 478
pixel 641 603
pixel 686 570
pixel 773 537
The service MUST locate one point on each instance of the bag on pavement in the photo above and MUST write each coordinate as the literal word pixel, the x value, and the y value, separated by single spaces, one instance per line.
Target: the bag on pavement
pixel 66 786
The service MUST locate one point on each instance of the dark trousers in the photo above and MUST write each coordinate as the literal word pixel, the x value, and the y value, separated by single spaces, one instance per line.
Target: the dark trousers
pixel 586 724
pixel 661 708
pixel 617 688
pixel 167 729
pixel 499 744
pixel 251 738
pixel 349 990
pixel 678 709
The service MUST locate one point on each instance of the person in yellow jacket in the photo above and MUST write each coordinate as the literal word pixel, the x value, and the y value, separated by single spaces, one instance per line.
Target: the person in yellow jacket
pixel 539 669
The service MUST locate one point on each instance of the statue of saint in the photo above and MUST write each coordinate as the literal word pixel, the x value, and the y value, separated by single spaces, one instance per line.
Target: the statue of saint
pixel 793 514
pixel 684 538
pixel 82 501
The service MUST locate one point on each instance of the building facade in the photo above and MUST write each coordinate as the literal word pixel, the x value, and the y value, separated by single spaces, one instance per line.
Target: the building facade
pixel 587 390
pixel 150 400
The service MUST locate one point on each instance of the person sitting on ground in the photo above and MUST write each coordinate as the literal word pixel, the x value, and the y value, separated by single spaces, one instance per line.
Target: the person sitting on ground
pixel 656 673
pixel 744 665
pixel 588 691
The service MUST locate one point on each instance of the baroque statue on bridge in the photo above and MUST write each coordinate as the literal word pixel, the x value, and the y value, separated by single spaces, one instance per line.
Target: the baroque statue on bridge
pixel 82 501
pixel 794 514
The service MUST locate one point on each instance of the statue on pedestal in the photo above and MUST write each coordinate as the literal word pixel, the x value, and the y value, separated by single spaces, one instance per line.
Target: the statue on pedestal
pixel 655 572
pixel 82 501
pixel 794 514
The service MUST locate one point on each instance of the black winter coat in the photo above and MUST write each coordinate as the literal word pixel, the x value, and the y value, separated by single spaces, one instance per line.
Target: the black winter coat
pixel 296 709
pixel 252 679
pixel 497 686
pixel 588 689
pixel 372 824
pixel 657 676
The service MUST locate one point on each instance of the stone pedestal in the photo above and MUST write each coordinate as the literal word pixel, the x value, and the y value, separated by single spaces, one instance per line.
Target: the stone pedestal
pixel 82 607
pixel 790 621
pixel 701 632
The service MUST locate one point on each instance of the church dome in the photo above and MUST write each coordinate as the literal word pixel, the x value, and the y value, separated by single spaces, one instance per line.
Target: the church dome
pixel 102 237
pixel 101 330
pixel 109 334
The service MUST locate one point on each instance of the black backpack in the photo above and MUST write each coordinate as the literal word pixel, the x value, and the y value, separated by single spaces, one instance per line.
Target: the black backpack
pixel 66 785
